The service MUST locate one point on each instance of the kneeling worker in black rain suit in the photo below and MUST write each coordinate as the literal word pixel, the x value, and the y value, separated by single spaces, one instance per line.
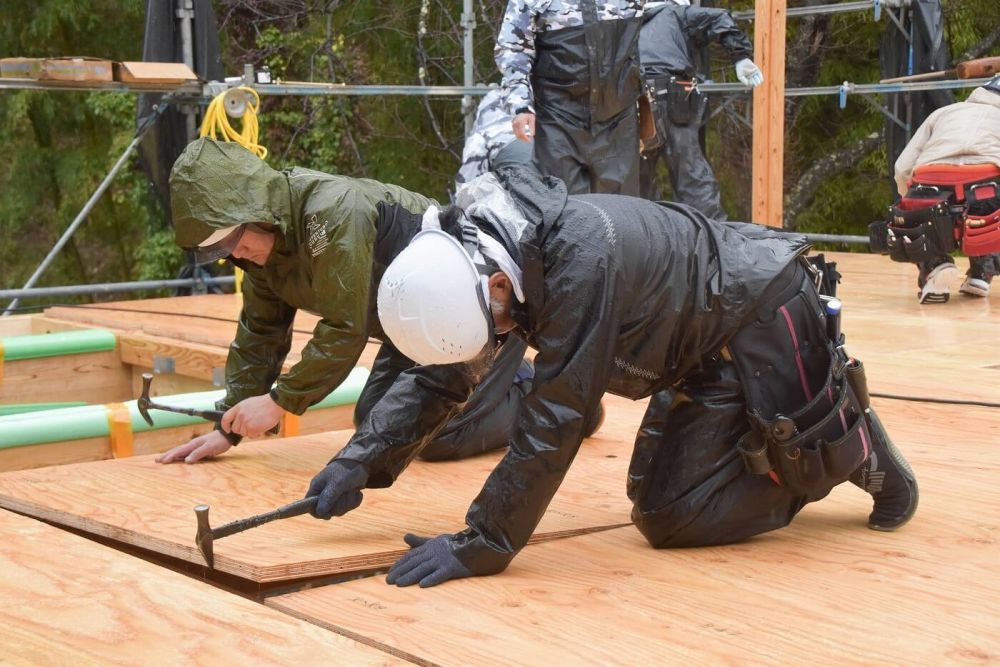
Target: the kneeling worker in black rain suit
pixel 634 297
pixel 318 242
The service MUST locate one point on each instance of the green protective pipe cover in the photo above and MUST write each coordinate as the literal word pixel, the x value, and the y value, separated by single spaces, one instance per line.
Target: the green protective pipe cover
pixel 18 348
pixel 24 408
pixel 91 421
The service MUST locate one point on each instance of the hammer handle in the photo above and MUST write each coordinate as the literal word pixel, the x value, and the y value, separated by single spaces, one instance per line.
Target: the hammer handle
pixel 210 415
pixel 303 506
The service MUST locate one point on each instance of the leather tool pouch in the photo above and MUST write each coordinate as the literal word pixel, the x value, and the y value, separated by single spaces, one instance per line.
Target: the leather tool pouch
pixel 981 233
pixel 920 235
pixel 649 138
pixel 811 460
pixel 683 103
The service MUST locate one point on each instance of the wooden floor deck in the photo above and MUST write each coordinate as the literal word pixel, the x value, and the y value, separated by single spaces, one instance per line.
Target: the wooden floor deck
pixel 825 590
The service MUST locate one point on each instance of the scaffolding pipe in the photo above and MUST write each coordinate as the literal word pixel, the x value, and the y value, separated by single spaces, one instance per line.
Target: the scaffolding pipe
pixel 836 238
pixel 111 288
pixel 835 8
pixel 468 26
pixel 189 92
pixel 848 88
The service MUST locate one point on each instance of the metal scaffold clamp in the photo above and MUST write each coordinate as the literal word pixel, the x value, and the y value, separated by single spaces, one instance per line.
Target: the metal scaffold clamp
pixel 846 89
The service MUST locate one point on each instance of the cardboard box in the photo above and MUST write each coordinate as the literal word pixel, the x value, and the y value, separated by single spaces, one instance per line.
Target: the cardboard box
pixel 143 72
pixel 57 69
pixel 17 68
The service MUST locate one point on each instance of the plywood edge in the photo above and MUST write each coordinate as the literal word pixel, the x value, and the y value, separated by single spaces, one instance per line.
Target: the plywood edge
pixel 274 603
pixel 116 533
pixel 379 560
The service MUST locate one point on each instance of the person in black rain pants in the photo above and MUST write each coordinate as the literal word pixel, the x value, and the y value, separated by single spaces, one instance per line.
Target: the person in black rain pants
pixel 571 76
pixel 631 296
pixel 673 47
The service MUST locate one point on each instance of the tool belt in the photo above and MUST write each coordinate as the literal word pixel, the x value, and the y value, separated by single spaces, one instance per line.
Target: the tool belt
pixel 933 220
pixel 814 448
pixel 917 230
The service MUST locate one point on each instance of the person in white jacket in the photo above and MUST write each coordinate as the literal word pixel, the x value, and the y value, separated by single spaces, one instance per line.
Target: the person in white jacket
pixel 965 133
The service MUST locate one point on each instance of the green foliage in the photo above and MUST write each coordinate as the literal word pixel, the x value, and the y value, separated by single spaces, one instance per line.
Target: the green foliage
pixel 59 145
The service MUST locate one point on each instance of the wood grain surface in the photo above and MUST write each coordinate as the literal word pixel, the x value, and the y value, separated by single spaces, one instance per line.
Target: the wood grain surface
pixel 825 590
pixel 938 350
pixel 197 330
pixel 70 601
pixel 151 506
pixel 94 377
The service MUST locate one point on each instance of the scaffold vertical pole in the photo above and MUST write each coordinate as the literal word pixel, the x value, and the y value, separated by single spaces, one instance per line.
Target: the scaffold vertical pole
pixel 469 27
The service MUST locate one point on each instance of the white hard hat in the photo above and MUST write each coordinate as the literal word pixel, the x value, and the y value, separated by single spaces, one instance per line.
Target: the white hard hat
pixel 432 301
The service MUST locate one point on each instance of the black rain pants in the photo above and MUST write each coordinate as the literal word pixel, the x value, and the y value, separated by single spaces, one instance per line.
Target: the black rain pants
pixel 687 481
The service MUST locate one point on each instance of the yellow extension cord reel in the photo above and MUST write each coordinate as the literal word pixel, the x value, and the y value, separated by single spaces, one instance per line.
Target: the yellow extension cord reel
pixel 242 103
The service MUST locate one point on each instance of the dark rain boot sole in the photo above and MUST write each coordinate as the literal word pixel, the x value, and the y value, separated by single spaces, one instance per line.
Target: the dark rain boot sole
pixel 905 471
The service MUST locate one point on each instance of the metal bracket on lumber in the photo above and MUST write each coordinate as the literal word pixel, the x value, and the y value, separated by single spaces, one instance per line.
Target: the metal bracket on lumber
pixel 219 377
pixel 163 364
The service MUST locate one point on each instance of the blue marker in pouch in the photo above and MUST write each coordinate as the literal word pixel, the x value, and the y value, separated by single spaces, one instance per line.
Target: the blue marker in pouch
pixel 833 308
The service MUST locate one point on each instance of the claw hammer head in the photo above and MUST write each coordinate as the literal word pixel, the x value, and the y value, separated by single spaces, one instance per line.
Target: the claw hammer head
pixel 143 403
pixel 203 538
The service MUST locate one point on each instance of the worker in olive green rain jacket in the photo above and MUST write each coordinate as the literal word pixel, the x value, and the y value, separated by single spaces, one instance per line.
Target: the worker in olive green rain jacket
pixel 317 242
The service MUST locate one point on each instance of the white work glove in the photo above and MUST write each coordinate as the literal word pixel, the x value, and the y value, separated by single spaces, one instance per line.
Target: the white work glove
pixel 749 74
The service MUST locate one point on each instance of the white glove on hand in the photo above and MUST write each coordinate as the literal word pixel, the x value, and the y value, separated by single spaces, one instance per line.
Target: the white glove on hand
pixel 748 73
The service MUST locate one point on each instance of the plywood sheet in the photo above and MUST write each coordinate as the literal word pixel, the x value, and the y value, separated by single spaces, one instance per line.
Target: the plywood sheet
pixel 938 350
pixel 825 590
pixel 70 601
pixel 151 506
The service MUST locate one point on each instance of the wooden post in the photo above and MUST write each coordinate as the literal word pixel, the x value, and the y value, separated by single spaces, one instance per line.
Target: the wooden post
pixel 769 113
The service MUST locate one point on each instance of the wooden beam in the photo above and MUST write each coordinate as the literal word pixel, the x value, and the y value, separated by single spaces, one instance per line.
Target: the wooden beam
pixel 151 442
pixel 71 601
pixel 94 377
pixel 769 113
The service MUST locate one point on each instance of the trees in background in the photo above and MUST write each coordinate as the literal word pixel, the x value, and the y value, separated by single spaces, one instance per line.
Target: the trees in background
pixel 59 145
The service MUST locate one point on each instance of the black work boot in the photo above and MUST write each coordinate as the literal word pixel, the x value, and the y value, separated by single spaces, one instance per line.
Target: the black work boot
pixel 888 478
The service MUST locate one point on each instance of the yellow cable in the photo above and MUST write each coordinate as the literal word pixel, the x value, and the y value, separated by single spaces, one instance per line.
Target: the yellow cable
pixel 216 123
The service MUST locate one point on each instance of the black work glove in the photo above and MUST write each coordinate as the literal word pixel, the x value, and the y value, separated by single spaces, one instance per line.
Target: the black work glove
pixel 431 561
pixel 338 486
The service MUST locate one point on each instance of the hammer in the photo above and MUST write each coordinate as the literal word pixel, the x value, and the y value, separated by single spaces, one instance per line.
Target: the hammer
pixel 144 404
pixel 207 535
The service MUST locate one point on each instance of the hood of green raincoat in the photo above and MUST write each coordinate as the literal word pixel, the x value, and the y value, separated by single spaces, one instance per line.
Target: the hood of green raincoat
pixel 217 184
